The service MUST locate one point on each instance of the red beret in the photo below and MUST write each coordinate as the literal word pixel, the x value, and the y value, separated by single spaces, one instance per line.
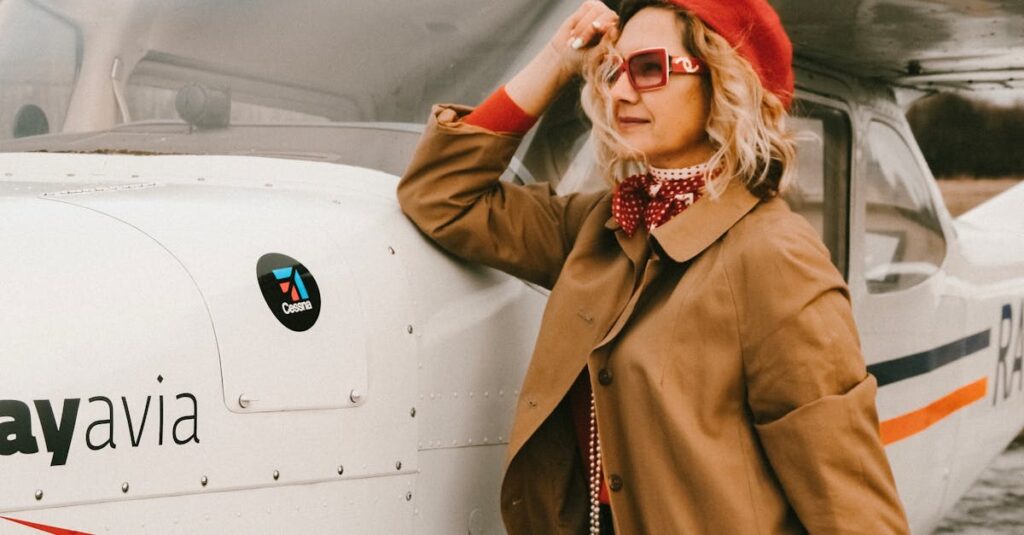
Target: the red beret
pixel 754 29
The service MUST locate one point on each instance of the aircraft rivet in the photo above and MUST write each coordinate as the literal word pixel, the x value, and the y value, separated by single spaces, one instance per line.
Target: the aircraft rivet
pixel 124 487
pixel 203 481
pixel 408 496
pixel 408 329
pixel 356 396
pixel 391 250
pixel 412 412
pixel 39 494
pixel 341 469
pixel 277 475
pixel 398 465
pixel 243 402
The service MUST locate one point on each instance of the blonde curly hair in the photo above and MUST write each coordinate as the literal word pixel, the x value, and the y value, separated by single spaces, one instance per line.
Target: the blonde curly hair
pixel 746 123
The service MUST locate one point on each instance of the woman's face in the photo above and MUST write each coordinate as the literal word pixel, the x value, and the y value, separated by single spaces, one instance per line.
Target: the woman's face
pixel 666 124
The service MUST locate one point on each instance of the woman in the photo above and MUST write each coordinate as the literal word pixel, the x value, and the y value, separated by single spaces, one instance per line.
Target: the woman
pixel 697 369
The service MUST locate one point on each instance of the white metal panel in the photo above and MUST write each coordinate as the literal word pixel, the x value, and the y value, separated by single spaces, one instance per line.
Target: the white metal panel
pixel 104 312
pixel 472 363
pixel 901 324
pixel 469 502
pixel 234 451
pixel 219 234
pixel 352 507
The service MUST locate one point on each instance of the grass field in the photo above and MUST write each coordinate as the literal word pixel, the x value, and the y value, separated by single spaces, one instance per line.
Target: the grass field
pixel 962 194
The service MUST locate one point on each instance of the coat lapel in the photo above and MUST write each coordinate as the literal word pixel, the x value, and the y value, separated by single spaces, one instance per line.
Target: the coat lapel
pixel 634 247
pixel 696 228
pixel 687 235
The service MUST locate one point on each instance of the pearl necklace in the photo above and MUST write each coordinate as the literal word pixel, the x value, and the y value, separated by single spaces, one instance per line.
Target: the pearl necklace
pixel 595 476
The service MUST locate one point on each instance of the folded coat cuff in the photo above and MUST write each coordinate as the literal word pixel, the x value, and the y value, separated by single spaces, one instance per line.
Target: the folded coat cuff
pixel 449 118
pixel 828 457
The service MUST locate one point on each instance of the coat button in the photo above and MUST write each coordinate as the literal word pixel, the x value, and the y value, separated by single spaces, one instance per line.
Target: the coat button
pixel 615 483
pixel 604 377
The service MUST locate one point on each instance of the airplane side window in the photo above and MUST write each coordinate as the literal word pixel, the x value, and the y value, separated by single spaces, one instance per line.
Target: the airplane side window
pixel 558 151
pixel 820 192
pixel 903 239
pixel 39 61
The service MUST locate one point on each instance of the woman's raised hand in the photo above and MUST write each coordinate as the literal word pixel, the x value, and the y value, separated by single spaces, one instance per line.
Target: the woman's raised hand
pixel 582 30
pixel 534 87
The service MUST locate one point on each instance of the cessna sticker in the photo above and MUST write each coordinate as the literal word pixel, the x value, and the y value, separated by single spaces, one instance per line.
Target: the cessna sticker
pixel 289 290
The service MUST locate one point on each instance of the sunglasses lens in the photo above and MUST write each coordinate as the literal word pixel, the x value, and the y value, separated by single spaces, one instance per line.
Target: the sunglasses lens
pixel 647 70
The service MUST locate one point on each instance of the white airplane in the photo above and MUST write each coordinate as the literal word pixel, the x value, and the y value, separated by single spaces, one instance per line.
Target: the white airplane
pixel 217 320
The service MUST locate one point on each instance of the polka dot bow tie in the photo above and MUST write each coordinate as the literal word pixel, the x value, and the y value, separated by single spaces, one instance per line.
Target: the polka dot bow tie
pixel 653 201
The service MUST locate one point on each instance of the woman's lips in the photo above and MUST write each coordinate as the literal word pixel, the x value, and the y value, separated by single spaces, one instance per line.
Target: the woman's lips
pixel 630 122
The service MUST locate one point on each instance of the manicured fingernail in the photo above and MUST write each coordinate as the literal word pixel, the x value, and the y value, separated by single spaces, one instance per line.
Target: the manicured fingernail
pixel 576 43
pixel 596 24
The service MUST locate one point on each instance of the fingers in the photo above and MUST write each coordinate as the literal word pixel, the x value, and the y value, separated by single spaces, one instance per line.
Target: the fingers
pixel 606 25
pixel 590 23
pixel 582 30
pixel 610 28
pixel 565 30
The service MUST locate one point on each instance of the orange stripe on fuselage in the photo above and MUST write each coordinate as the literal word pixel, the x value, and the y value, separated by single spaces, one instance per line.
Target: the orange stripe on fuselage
pixel 912 423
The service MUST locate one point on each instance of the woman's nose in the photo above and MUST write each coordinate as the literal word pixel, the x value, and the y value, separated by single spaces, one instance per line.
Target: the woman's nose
pixel 623 91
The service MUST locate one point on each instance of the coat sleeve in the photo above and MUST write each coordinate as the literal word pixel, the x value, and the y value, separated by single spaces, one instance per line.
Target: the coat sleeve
pixel 452 193
pixel 812 400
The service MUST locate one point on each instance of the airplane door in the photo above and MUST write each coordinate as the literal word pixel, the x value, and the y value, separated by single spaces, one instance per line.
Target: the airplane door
pixel 911 327
pixel 821 191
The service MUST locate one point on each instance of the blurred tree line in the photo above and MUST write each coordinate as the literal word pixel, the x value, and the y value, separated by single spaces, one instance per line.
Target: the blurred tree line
pixel 960 136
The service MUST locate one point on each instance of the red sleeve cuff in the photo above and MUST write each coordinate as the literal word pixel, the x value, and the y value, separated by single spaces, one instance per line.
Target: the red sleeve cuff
pixel 499 113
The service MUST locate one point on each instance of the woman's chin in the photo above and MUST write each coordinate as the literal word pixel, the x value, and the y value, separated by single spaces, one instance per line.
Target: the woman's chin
pixel 636 140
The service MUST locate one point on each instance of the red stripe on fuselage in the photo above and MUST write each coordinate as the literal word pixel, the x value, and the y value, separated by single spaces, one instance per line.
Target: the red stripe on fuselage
pixel 47 529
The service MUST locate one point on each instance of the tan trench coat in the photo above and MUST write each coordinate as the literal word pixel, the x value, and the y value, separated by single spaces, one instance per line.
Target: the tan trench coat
pixel 730 390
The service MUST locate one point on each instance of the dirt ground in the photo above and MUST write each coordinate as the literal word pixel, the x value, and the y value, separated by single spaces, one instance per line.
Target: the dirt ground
pixel 962 194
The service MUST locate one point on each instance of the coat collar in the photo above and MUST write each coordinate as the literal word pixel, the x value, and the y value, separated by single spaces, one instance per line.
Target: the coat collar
pixel 696 228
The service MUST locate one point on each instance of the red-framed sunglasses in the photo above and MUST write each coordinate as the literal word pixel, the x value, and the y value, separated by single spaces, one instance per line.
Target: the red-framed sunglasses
pixel 648 69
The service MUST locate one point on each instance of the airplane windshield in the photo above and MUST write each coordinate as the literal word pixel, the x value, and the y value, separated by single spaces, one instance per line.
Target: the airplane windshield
pixel 81 66
pixel 39 61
